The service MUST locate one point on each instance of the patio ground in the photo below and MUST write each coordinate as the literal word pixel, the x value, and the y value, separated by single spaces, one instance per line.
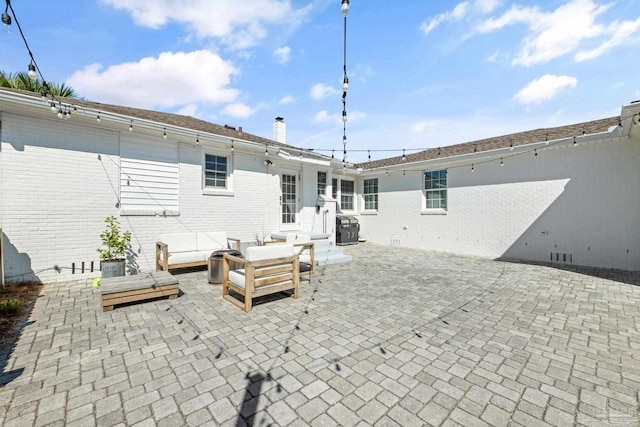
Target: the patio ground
pixel 396 337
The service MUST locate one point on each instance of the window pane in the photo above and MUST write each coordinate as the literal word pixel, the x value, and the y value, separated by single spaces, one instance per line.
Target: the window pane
pixel 371 193
pixel 215 173
pixel 322 183
pixel 435 188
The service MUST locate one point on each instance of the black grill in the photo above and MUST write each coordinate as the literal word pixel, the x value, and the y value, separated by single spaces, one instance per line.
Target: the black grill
pixel 347 228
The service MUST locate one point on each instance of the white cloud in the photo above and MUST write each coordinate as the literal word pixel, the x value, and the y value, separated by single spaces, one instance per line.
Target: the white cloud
pixel 282 54
pixel 236 23
pixel 237 109
pixel 459 12
pixel 621 33
pixel 321 91
pixel 563 31
pixel 286 100
pixel 173 79
pixel 324 116
pixel 544 88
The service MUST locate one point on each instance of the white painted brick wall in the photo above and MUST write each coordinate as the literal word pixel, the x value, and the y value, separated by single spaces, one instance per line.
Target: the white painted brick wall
pixel 55 194
pixel 585 198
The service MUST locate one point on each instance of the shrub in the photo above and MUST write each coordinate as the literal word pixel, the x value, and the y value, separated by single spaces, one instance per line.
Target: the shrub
pixel 11 307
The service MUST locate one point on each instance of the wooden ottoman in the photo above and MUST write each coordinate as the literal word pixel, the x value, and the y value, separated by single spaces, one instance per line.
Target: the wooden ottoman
pixel 137 287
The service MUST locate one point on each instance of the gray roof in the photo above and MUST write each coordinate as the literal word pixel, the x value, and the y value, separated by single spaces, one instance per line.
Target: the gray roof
pixel 505 141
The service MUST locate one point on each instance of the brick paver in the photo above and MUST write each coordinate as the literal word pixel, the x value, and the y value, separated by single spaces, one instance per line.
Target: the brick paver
pixel 396 337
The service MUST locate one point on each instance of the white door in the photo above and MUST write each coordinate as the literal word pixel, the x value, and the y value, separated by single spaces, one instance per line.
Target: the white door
pixel 289 200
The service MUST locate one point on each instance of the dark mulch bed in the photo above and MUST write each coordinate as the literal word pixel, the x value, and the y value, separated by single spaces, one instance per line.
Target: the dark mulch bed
pixel 16 302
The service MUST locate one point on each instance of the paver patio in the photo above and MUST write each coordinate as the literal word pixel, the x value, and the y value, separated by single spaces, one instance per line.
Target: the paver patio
pixel 396 337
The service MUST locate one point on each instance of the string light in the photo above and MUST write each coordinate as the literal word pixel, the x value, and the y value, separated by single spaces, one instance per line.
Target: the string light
pixel 266 151
pixel 198 139
pixel 472 168
pixel 131 126
pixel 501 162
pixel 6 19
pixel 404 158
pixel 32 71
pixel 232 145
pixel 164 133
pixel 574 141
pixel 98 117
pixel 344 9
pixel 535 152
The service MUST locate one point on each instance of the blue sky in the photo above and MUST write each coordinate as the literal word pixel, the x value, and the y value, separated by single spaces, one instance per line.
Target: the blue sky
pixel 422 73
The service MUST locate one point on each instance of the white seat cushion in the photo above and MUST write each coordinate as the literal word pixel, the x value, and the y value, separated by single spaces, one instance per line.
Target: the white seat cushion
pixel 184 257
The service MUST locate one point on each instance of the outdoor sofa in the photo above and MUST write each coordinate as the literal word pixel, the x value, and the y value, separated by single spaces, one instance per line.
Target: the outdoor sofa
pixel 189 249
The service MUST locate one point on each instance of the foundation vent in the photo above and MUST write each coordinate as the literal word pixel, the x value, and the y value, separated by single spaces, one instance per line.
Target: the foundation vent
pixel 561 257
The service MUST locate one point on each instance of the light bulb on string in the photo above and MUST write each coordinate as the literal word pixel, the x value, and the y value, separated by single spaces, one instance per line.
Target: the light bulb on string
pixel 574 141
pixel 6 19
pixel 501 163
pixel 60 113
pixel 32 71
pixel 232 145
pixel 345 86
pixel 164 133
pixel 344 9
pixel 197 139
pixel 98 117
pixel 344 116
pixel 472 168
pixel 404 157
pixel 131 126
pixel 266 151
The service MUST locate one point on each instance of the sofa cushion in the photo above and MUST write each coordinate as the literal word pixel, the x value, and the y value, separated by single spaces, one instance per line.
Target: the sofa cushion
pixel 180 242
pixel 260 253
pixel 211 241
pixel 184 257
pixel 237 277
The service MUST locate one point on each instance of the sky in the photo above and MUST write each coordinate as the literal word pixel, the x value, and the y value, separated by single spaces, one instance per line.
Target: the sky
pixel 422 73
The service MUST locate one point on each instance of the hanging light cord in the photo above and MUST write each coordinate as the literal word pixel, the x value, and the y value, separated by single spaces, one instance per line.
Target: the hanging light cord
pixel 345 11
pixel 24 39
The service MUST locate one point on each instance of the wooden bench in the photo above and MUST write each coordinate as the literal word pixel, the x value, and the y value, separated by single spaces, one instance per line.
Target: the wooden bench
pixel 138 287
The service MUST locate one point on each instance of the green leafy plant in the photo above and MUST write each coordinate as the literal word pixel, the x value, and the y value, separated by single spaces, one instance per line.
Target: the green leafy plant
pixel 114 241
pixel 10 306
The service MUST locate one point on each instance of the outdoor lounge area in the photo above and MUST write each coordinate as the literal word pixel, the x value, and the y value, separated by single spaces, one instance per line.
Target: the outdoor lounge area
pixel 397 337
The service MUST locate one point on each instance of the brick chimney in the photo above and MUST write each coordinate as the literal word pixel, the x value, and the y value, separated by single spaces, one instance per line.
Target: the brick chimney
pixel 280 131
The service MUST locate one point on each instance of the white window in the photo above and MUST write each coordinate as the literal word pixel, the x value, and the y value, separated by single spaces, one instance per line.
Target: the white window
pixel 346 195
pixel 435 190
pixel 322 183
pixel 371 194
pixel 217 174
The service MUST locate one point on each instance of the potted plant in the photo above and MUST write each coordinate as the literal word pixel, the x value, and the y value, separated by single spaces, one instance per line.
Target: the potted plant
pixel 115 243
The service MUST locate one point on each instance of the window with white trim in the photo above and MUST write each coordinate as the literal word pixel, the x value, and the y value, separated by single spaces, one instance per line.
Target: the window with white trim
pixel 346 195
pixel 435 189
pixel 322 183
pixel 216 171
pixel 371 194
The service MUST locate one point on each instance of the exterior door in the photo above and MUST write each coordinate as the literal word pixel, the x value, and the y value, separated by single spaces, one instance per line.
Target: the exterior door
pixel 289 200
